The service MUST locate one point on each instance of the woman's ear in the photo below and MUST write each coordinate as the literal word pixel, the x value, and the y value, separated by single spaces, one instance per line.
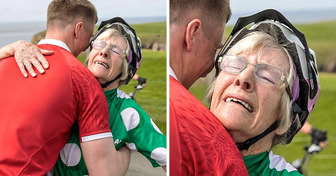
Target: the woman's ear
pixel 193 28
pixel 123 77
pixel 281 129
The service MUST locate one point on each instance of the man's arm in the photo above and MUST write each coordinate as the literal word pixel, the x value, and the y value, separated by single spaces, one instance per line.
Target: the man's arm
pixel 124 154
pixel 101 157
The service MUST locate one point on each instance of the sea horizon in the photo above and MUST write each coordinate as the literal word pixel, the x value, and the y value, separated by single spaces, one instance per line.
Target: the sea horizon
pixel 13 31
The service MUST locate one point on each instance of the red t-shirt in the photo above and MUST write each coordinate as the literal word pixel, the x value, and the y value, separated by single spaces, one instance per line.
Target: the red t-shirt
pixel 199 144
pixel 37 114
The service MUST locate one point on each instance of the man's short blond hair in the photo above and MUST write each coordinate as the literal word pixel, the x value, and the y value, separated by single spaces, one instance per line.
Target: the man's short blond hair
pixel 212 11
pixel 63 12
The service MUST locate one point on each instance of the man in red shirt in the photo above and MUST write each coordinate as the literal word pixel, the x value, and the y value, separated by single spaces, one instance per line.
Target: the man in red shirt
pixel 37 114
pixel 199 144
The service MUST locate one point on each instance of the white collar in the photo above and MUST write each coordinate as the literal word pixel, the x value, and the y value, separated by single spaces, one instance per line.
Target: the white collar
pixel 55 42
pixel 172 73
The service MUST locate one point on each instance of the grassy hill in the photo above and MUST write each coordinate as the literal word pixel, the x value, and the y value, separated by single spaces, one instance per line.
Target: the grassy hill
pixel 149 33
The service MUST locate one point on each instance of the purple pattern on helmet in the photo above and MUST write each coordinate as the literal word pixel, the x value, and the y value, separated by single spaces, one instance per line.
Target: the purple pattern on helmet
pixel 296 86
pixel 138 63
pixel 296 91
pixel 130 56
pixel 312 102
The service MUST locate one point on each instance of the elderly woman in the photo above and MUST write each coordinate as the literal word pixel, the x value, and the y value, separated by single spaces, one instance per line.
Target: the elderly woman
pixel 262 94
pixel 114 58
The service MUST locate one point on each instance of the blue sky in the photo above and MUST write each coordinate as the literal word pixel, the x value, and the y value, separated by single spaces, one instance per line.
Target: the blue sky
pixel 36 10
pixel 240 6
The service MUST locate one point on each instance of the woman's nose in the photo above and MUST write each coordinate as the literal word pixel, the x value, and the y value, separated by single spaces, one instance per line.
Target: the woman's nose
pixel 245 79
pixel 105 52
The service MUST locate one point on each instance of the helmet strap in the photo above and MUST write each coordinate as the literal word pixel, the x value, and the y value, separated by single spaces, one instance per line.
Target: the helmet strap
pixel 109 82
pixel 245 145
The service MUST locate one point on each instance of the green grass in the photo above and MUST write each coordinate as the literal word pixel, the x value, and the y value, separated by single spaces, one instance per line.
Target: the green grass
pixel 155 33
pixel 323 118
pixel 322 39
pixel 153 97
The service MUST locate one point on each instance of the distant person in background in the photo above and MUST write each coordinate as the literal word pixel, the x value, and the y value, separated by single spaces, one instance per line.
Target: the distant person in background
pixel 39 114
pixel 318 137
pixel 141 80
pixel 199 144
pixel 114 58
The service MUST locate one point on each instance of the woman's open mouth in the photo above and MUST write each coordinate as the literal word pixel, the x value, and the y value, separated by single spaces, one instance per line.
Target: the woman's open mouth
pixel 244 104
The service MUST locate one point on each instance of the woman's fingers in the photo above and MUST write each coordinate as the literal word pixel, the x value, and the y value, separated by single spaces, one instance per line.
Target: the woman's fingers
pixel 30 69
pixel 29 56
pixel 37 65
pixel 42 59
pixel 23 69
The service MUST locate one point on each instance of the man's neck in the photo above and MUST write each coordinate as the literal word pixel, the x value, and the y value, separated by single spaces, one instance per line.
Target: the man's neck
pixel 184 77
pixel 55 42
pixel 63 36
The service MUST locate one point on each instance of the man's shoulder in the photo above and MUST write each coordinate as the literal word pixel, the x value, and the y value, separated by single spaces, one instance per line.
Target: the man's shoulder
pixel 187 110
pixel 61 56
pixel 179 93
pixel 185 102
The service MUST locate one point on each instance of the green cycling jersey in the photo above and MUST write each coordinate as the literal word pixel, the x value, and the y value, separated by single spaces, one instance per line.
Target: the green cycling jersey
pixel 130 125
pixel 267 163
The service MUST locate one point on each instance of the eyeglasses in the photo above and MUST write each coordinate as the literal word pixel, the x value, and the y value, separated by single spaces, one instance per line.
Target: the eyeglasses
pixel 263 72
pixel 115 49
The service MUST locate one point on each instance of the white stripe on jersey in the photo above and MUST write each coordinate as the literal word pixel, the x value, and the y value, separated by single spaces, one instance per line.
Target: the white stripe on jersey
pixel 279 163
pixel 96 136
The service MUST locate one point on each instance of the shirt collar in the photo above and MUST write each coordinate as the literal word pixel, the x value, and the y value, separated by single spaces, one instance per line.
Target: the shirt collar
pixel 172 73
pixel 55 42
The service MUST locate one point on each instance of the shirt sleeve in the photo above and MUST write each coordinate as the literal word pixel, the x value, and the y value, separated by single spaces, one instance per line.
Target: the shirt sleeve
pixel 144 136
pixel 92 112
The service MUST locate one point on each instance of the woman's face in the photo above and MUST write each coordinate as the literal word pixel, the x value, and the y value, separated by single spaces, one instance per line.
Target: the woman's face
pixel 106 62
pixel 244 104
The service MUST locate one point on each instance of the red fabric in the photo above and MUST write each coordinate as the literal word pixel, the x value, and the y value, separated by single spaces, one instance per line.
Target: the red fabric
pixel 37 114
pixel 199 144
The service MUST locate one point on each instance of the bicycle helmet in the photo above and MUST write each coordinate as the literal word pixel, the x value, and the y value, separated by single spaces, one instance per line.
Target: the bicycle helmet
pixel 305 88
pixel 135 57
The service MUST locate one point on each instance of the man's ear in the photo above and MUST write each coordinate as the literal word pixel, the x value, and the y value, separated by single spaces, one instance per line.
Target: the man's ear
pixel 193 28
pixel 78 28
